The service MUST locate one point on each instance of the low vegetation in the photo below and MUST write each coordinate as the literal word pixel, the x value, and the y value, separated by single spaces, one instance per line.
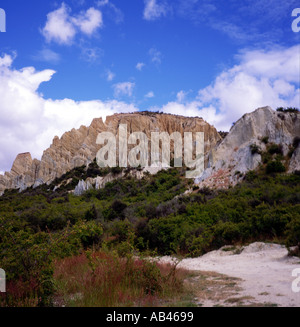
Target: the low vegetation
pixel 104 279
pixel 61 249
pixel 289 109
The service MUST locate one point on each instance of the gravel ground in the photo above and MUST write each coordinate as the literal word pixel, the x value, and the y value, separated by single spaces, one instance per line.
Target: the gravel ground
pixel 265 271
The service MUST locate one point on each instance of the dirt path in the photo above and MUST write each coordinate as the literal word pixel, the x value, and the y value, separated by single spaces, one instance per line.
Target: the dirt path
pixel 258 274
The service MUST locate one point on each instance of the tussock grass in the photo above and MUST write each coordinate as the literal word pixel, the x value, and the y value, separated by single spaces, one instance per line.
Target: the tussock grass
pixel 104 279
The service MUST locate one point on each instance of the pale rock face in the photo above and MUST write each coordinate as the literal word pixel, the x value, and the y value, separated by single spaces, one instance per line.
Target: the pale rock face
pixel 37 183
pixel 233 155
pixel 224 160
pixel 295 161
pixel 22 163
pixel 100 182
pixel 78 147
pixel 82 187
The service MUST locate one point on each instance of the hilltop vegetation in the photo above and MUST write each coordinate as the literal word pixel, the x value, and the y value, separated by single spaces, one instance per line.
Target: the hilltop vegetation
pixel 40 227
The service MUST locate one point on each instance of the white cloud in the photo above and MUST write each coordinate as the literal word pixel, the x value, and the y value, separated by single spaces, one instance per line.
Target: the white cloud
pixel 47 55
pixel 150 94
pixel 181 96
pixel 91 55
pixel 102 3
pixel 115 13
pixel 155 56
pixel 274 64
pixel 193 109
pixel 110 75
pixel 61 27
pixel 6 60
pixel 261 78
pixel 154 9
pixel 268 18
pixel 89 21
pixel 139 66
pixel 29 122
pixel 125 88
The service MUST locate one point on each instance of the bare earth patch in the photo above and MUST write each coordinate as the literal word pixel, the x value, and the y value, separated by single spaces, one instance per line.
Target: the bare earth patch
pixel 259 274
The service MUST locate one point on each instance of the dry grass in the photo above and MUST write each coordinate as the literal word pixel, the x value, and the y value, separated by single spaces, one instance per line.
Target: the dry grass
pixel 20 293
pixel 103 279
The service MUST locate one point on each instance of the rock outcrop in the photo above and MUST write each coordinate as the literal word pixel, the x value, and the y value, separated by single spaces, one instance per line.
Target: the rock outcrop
pixel 78 147
pixel 100 182
pixel 233 157
pixel 226 161
pixel 295 161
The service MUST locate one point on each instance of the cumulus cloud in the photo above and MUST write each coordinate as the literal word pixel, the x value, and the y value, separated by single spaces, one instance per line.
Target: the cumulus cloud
pixel 89 21
pixel 139 66
pixel 6 60
pixel 181 96
pixel 124 88
pixel 150 94
pixel 154 9
pixel 193 109
pixel 110 75
pixel 261 78
pixel 61 27
pixel 29 122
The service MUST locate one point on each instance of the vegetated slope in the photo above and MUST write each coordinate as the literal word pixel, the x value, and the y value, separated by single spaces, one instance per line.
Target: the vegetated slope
pixel 130 215
pixel 165 213
pixel 253 134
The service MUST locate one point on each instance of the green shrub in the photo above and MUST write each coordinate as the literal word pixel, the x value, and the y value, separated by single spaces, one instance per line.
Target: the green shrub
pixel 250 176
pixel 290 109
pixel 225 234
pixel 275 166
pixel 275 148
pixel 255 149
pixel 293 231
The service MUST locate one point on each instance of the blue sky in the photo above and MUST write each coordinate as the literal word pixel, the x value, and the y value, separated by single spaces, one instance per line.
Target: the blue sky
pixel 63 63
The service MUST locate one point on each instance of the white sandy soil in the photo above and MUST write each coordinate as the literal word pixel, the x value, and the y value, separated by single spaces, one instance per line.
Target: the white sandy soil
pixel 265 270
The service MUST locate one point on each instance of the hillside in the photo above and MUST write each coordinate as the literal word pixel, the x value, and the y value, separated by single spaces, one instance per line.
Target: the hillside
pixel 130 212
pixel 78 147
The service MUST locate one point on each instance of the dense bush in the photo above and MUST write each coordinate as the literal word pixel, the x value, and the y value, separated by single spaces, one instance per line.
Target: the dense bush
pixel 275 166
pixel 39 226
pixel 255 148
pixel 275 148
pixel 290 109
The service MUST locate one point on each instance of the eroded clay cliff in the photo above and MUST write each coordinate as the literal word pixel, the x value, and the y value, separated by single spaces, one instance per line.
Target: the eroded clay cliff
pixel 233 157
pixel 78 147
